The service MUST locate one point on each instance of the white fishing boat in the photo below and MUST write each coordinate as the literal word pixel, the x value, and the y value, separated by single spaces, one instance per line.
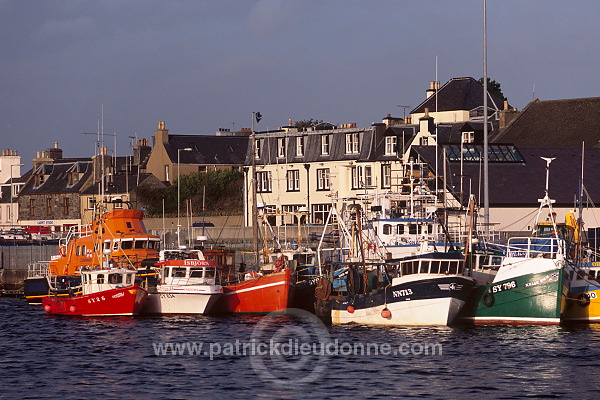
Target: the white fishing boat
pixel 188 284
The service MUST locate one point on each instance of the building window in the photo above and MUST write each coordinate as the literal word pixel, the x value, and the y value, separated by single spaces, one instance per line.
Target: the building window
pixel 263 182
pixel 468 137
pixel 48 206
pixel 290 214
pixel 320 213
pixel 352 143
pixel 300 146
pixel 323 179
pixel 91 203
pixel 31 207
pixel 391 148
pixel 257 147
pixel 386 176
pixel 166 172
pixel 281 147
pixel 362 177
pixel 39 179
pixel 73 178
pixel 293 180
pixel 424 141
pixel 324 145
pixel 66 206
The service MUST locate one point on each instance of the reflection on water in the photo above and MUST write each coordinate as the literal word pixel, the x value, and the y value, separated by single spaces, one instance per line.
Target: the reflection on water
pixel 46 356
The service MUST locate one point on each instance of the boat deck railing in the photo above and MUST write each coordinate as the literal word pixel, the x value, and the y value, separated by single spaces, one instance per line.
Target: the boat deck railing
pixel 37 269
pixel 533 247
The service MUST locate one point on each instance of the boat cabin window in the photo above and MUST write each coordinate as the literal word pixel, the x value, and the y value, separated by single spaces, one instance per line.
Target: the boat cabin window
pixel 178 272
pixel 196 272
pixel 140 244
pixel 424 268
pixel 83 251
pixel 435 267
pixel 387 229
pixel 107 245
pixel 78 251
pixel 115 278
pixel 116 245
pixel 128 278
pixel 412 229
pixel 209 273
pixel 154 244
pixel 430 229
pixel 128 224
pixel 400 229
pixel 100 279
pixel 127 244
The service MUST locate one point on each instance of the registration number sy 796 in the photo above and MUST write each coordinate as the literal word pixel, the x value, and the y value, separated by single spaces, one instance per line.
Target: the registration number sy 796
pixel 504 286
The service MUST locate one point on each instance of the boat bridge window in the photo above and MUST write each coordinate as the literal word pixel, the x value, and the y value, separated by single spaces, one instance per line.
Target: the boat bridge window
pixel 196 272
pixel 116 245
pixel 178 272
pixel 141 244
pixel 107 245
pixel 412 229
pixel 115 278
pixel 78 251
pixel 100 279
pixel 127 244
pixel 387 229
pixel 435 267
pixel 209 273
pixel 400 229
pixel 128 278
pixel 154 244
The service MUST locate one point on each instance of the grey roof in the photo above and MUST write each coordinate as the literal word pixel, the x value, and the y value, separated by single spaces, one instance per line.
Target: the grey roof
pixel 459 94
pixel 554 123
pixel 57 181
pixel 522 183
pixel 122 183
pixel 208 150
pixel 312 146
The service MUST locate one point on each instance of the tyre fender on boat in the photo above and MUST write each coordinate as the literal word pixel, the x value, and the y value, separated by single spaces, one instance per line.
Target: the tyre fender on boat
pixel 583 300
pixel 488 299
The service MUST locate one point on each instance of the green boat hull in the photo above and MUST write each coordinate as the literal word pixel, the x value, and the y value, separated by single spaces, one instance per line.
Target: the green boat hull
pixel 527 299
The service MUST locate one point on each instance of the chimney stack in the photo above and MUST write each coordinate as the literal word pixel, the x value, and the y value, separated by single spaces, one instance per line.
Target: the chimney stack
pixel 161 135
pixel 433 86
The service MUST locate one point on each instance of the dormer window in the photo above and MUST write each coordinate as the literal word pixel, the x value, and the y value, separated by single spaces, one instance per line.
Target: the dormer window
pixel 257 146
pixel 325 145
pixel 39 180
pixel 73 178
pixel 468 137
pixel 390 145
pixel 300 146
pixel 281 147
pixel 352 143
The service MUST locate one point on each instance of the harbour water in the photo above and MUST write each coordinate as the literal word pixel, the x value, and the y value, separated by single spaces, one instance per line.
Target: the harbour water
pixel 188 357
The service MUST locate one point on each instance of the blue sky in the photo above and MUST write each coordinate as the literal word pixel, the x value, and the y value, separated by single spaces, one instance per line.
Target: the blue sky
pixel 200 65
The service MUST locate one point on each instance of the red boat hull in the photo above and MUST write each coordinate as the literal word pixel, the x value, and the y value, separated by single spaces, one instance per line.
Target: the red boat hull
pixel 122 301
pixel 264 294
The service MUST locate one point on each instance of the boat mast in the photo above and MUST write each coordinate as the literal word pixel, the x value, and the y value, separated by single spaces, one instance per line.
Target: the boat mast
pixel 253 185
pixel 486 189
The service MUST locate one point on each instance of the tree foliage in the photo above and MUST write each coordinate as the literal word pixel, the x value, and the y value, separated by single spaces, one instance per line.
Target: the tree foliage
pixel 221 192
pixel 493 87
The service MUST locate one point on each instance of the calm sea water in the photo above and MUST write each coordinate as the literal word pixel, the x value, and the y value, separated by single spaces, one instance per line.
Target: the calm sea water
pixel 49 357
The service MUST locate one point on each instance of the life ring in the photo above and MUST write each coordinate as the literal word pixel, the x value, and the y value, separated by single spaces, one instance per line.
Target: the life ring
pixel 583 300
pixel 488 299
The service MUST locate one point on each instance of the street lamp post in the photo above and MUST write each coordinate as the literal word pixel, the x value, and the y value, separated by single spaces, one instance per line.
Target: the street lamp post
pixel 12 212
pixel 179 193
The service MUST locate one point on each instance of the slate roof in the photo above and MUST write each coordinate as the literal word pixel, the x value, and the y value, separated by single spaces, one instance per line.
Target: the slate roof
pixel 522 184
pixel 312 146
pixel 120 184
pixel 459 94
pixel 57 181
pixel 554 123
pixel 208 150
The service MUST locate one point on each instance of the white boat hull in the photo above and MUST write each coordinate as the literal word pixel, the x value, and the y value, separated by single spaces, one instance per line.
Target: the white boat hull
pixel 172 301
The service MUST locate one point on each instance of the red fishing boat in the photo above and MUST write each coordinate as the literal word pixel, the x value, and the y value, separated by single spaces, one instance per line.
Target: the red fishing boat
pixel 119 233
pixel 258 294
pixel 103 292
